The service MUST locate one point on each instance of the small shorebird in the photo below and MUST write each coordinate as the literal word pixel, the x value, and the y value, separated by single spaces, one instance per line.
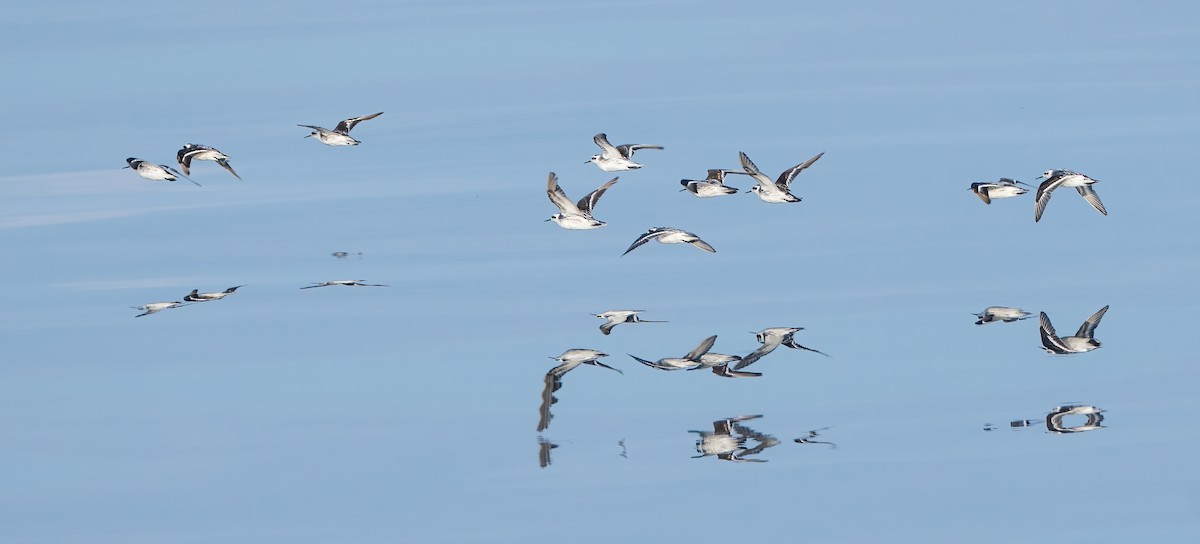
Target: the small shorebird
pixel 155 307
pixel 575 216
pixel 772 338
pixel 719 364
pixel 713 185
pixel 155 172
pixel 775 191
pixel 992 314
pixel 1082 342
pixel 617 158
pixel 196 296
pixel 1066 178
pixel 617 317
pixel 351 283
pixel 691 360
pixel 1054 420
pixel 668 235
pixel 197 152
pixel 575 357
pixel 340 135
pixel 1005 188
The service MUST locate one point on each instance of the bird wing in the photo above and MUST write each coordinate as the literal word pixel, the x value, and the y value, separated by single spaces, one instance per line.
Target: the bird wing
pixel 980 191
pixel 1088 328
pixel 790 342
pixel 1043 195
pixel 701 348
pixel 587 203
pixel 627 150
pixel 559 198
pixel 725 372
pixel 347 125
pixel 785 179
pixel 703 245
pixel 606 149
pixel 225 163
pixel 646 237
pixel 1050 339
pixel 1089 194
pixel 754 172
pixel 177 173
pixel 651 364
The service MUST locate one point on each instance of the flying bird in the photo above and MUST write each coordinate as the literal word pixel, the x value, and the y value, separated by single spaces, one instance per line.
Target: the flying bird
pixel 575 216
pixel 1005 188
pixel 691 360
pixel 196 296
pixel 340 135
pixel 668 235
pixel 617 158
pixel 155 307
pixel 1083 341
pixel 617 317
pixel 575 357
pixel 992 314
pixel 155 172
pixel 197 152
pixel 1066 178
pixel 778 190
pixel 772 338
pixel 712 185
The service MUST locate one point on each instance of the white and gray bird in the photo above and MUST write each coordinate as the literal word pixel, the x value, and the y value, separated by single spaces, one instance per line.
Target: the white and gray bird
pixel 668 235
pixel 575 357
pixel 772 338
pixel 617 158
pixel 349 283
pixel 719 364
pixel 196 296
pixel 197 152
pixel 713 185
pixel 572 215
pixel 1083 341
pixel 1004 188
pixel 155 307
pixel 155 172
pixel 617 317
pixel 778 190
pixel 340 135
pixel 992 314
pixel 691 360
pixel 1066 178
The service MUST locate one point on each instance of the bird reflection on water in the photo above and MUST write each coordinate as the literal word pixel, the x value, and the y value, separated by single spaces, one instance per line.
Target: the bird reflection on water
pixel 728 441
pixel 1055 423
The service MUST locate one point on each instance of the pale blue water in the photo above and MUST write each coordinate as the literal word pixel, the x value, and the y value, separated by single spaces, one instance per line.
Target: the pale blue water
pixel 408 413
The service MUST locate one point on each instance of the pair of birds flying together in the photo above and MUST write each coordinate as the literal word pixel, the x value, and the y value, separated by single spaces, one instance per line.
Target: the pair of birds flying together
pixel 194 296
pixel 1053 179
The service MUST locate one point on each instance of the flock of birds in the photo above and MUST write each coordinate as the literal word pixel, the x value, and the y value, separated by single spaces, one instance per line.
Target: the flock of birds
pixel 579 215
pixel 339 136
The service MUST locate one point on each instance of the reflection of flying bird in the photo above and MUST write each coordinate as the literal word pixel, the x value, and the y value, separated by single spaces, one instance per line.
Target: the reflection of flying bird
pixel 772 338
pixel 155 307
pixel 340 135
pixel 1066 178
pixel 778 190
pixel 713 185
pixel 1054 420
pixel 617 317
pixel 544 447
pixel 572 215
pixel 992 314
pixel 553 383
pixel 1005 188
pixel 197 152
pixel 348 283
pixel 616 158
pixel 809 438
pixel 727 441
pixel 691 360
pixel 155 172
pixel 195 296
pixel 1081 342
pixel 668 235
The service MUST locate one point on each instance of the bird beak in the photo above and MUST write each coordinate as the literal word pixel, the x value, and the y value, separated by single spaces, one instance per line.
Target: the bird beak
pixel 747 191
pixel 309 136
pixel 546 221
pixel 124 167
pixel 587 161
pixel 681 190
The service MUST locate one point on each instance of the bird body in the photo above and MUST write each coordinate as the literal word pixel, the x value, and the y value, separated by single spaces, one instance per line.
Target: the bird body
pixel 348 283
pixel 575 215
pixel 1083 341
pixel 668 235
pixel 155 307
pixel 1066 178
pixel 691 360
pixel 617 317
pixel 1004 188
pixel 155 172
pixel 710 186
pixel 779 190
pixel 196 296
pixel 616 158
pixel 197 152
